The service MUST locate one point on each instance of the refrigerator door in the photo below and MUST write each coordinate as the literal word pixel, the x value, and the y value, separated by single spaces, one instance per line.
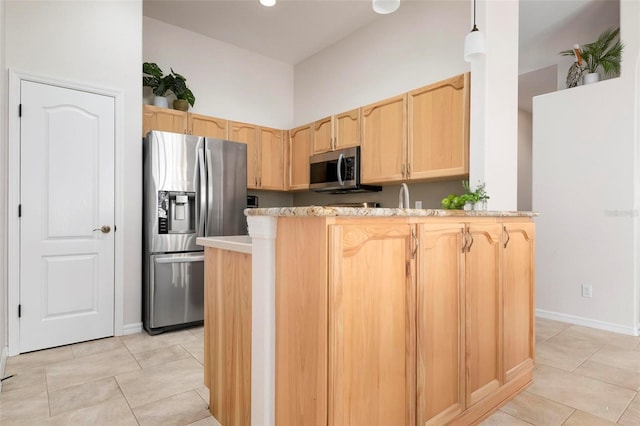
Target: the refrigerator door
pixel 174 204
pixel 176 289
pixel 226 187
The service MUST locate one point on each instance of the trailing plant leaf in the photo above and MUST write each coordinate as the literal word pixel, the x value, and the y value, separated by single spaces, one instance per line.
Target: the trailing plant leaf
pixel 154 79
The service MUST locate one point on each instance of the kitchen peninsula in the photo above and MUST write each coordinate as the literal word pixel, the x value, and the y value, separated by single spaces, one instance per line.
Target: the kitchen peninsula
pixel 353 316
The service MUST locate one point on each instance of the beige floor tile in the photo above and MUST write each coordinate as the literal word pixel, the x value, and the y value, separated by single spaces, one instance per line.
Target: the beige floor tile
pixel 90 368
pixel 28 405
pixel 606 373
pixel 26 377
pixel 161 356
pixel 161 381
pixel 84 395
pixel 608 338
pixel 204 393
pixel 196 349
pixel 198 332
pixel 565 352
pixel 580 418
pixel 142 342
pixel 96 346
pixel 503 419
pixel 537 410
pixel 626 359
pixel 39 358
pixel 180 409
pixel 114 412
pixel 631 416
pixel 546 328
pixel 209 421
pixel 583 393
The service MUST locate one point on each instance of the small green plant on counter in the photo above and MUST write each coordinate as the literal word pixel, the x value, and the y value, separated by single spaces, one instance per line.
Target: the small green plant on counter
pixel 457 202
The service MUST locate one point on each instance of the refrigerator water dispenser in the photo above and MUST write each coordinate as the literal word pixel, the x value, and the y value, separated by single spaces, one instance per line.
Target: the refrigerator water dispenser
pixel 176 212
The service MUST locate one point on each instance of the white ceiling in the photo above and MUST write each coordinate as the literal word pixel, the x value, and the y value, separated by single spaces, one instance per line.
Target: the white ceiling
pixel 294 30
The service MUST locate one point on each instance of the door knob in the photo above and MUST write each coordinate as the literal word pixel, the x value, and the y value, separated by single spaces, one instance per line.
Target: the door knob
pixel 105 229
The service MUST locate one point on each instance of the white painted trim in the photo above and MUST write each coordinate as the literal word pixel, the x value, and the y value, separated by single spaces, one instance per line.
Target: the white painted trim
pixel 263 319
pixel 587 322
pixel 134 328
pixel 3 363
pixel 13 199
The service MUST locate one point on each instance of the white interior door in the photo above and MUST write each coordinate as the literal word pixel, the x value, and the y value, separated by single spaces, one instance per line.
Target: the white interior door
pixel 67 141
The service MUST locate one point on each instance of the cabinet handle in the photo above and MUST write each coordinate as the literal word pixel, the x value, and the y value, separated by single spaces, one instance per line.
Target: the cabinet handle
pixel 463 235
pixel 402 170
pixel 508 236
pixel 471 241
pixel 260 181
pixel 416 243
pixel 408 170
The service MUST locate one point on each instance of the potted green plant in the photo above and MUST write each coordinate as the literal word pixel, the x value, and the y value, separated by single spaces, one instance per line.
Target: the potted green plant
pixel 605 53
pixel 184 95
pixel 160 84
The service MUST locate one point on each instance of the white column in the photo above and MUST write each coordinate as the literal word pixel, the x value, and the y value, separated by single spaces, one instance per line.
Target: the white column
pixel 262 230
pixel 494 105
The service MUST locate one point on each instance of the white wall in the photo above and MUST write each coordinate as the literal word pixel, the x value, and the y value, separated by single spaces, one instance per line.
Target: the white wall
pixel 100 43
pixel 3 183
pixel 524 160
pixel 228 82
pixel 586 188
pixel 420 43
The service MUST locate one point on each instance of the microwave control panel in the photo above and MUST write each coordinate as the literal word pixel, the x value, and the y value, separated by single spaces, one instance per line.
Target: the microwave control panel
pixel 350 169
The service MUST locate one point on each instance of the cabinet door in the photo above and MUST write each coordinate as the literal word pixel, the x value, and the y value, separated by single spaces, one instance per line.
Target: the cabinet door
pixel 483 311
pixel 323 135
pixel 211 127
pixel 347 129
pixel 439 129
pixel 440 323
pixel 384 137
pixel 371 325
pixel 299 151
pixel 163 119
pixel 271 159
pixel 518 298
pixel 248 133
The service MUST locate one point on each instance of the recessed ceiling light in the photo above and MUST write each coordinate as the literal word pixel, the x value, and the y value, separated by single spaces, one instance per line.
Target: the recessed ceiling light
pixel 268 3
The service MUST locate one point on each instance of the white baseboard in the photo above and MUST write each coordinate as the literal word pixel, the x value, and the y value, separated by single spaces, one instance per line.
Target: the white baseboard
pixel 3 363
pixel 132 328
pixel 587 322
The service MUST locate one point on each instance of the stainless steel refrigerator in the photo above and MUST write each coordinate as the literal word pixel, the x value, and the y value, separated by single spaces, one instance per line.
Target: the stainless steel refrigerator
pixel 193 187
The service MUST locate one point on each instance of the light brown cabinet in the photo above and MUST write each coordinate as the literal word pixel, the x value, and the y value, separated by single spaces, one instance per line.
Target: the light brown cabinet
pixel 171 120
pixel 418 136
pixel 371 325
pixel 438 137
pixel 384 140
pixel 337 132
pixel 300 142
pixel 265 154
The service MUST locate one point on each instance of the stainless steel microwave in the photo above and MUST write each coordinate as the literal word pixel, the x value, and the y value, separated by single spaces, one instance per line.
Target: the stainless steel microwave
pixel 337 172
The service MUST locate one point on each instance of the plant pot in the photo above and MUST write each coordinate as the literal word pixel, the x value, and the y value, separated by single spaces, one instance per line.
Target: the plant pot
pixel 480 205
pixel 591 77
pixel 161 101
pixel 181 104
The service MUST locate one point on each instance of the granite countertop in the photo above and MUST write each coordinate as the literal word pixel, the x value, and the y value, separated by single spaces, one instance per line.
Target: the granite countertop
pixel 239 243
pixel 382 212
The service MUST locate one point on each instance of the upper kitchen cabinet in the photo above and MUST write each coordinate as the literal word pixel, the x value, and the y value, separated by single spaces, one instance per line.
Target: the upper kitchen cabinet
pixel 438 139
pixel 265 154
pixel 171 120
pixel 163 119
pixel 337 132
pixel 211 127
pixel 384 141
pixel 300 141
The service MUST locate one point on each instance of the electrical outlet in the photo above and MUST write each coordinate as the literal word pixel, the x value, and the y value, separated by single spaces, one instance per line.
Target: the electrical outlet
pixel 587 290
pixel 418 204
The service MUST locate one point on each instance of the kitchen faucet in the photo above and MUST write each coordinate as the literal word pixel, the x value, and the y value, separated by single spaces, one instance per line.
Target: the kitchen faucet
pixel 403 197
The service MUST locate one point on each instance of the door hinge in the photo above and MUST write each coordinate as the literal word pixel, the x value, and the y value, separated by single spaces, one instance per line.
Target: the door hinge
pixel 19 311
pixel 20 110
pixel 19 210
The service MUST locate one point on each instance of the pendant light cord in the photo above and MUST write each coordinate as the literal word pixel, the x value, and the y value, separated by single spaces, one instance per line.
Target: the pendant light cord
pixel 474 17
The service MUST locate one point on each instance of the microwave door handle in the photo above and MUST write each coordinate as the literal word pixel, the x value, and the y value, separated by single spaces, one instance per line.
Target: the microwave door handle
pixel 340 159
pixel 202 193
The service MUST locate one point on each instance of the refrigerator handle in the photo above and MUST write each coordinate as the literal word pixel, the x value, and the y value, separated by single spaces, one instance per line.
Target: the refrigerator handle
pixel 203 187
pixel 209 188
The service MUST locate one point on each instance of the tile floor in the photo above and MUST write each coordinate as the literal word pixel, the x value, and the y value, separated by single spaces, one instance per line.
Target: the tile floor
pixel 583 377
